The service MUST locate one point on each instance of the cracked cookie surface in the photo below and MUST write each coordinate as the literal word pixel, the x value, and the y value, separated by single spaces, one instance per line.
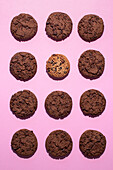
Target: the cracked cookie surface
pixel 59 144
pixel 24 143
pixel 90 27
pixel 23 66
pixel 92 144
pixel 23 27
pixel 58 66
pixel 58 104
pixel 91 64
pixel 58 26
pixel 23 104
pixel 92 103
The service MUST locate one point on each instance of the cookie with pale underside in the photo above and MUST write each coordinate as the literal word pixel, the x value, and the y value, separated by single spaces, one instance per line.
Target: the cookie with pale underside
pixel 57 66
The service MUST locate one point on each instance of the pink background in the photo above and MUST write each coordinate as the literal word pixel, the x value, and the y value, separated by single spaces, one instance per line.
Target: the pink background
pixel 42 47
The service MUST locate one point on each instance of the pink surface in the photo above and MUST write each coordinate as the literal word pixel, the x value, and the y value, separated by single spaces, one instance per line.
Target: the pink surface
pixel 42 47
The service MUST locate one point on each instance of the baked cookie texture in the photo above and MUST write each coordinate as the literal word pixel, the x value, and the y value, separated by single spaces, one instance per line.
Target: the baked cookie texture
pixel 23 66
pixel 92 144
pixel 23 27
pixel 58 104
pixel 90 27
pixel 23 104
pixel 91 64
pixel 24 143
pixel 58 144
pixel 57 66
pixel 58 26
pixel 92 103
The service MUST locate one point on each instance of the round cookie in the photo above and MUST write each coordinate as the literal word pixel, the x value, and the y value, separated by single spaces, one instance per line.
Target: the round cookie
pixel 58 104
pixel 58 26
pixel 57 66
pixel 59 144
pixel 24 143
pixel 91 64
pixel 92 103
pixel 23 27
pixel 92 144
pixel 23 104
pixel 90 27
pixel 23 66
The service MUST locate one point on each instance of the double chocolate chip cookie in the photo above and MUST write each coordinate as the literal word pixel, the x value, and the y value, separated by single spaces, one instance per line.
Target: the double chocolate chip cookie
pixel 58 104
pixel 24 143
pixel 23 66
pixel 23 27
pixel 91 64
pixel 23 104
pixel 58 144
pixel 92 144
pixel 57 66
pixel 58 26
pixel 92 103
pixel 90 27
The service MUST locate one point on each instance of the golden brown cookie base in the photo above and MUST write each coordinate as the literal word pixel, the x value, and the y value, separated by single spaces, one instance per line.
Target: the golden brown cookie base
pixel 57 66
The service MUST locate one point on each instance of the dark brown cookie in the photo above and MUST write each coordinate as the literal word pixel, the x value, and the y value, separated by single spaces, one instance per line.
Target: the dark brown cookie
pixel 23 104
pixel 24 143
pixel 92 144
pixel 57 66
pixel 92 103
pixel 58 26
pixel 23 27
pixel 90 27
pixel 58 104
pixel 91 64
pixel 23 66
pixel 59 144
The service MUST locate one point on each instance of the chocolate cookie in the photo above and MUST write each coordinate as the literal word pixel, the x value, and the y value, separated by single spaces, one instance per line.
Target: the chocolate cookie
pixel 24 143
pixel 92 144
pixel 58 104
pixel 23 27
pixel 57 66
pixel 59 144
pixel 91 64
pixel 23 104
pixel 23 66
pixel 92 103
pixel 90 27
pixel 58 26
